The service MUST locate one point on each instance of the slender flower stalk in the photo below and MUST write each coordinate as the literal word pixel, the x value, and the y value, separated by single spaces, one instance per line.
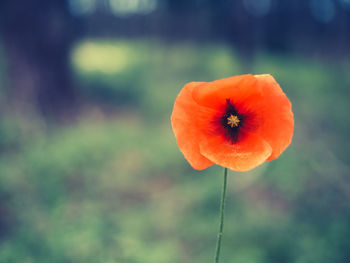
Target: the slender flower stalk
pixel 222 211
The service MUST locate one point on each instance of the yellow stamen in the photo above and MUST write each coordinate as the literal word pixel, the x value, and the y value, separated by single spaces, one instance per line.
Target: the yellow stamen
pixel 233 121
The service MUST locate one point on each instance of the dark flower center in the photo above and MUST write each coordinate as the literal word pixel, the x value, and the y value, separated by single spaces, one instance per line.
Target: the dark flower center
pixel 232 122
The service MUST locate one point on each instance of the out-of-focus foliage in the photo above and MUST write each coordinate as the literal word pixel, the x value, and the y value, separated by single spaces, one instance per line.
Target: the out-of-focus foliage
pixel 114 187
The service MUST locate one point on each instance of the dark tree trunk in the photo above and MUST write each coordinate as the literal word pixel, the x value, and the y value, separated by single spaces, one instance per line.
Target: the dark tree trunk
pixel 37 37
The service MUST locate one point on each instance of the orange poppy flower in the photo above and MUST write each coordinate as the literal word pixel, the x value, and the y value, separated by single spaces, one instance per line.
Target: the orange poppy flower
pixel 238 122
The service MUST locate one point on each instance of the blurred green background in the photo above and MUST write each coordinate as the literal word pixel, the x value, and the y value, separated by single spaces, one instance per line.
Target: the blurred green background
pixel 96 175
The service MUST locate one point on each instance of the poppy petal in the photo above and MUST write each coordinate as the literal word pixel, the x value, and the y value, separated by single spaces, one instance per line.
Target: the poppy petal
pixel 184 123
pixel 242 156
pixel 278 121
pixel 237 88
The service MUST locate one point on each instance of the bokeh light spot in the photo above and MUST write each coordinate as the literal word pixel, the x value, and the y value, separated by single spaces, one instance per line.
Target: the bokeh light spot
pixel 257 8
pixel 82 7
pixel 127 7
pixel 345 3
pixel 322 11
pixel 101 57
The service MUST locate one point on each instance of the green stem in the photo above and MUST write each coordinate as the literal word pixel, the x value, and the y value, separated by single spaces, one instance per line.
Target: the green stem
pixel 222 210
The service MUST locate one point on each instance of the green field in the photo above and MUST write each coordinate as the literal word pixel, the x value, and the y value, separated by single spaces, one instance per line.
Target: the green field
pixel 114 187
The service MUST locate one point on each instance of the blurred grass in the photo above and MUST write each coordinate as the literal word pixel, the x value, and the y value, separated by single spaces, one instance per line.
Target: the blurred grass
pixel 114 187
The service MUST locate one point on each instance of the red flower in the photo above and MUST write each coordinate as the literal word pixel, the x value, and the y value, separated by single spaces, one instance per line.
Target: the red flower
pixel 238 122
